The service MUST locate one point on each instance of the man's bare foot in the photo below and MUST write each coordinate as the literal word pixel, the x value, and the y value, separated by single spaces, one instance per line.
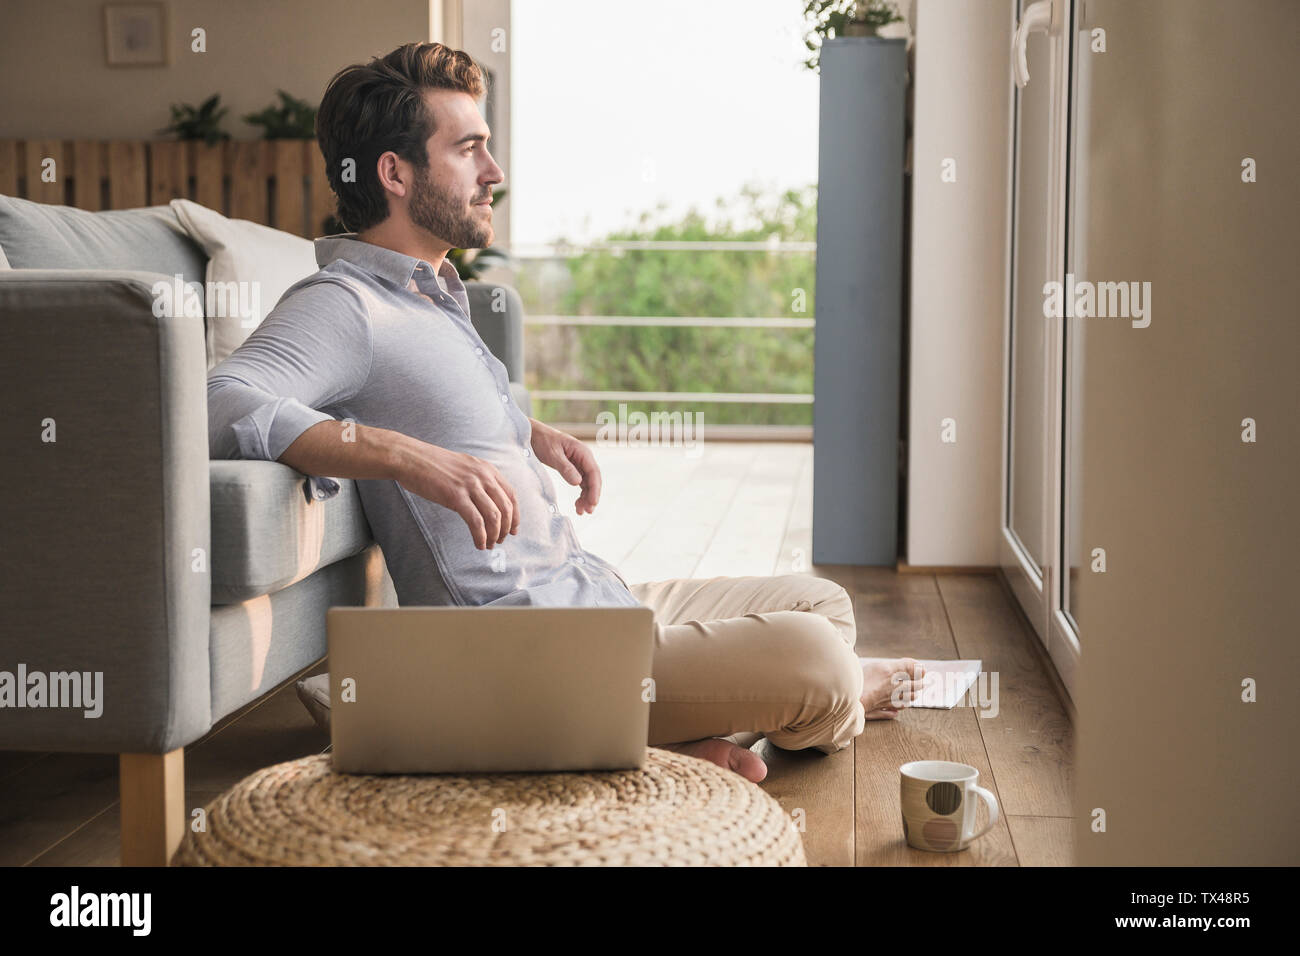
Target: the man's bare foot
pixel 881 677
pixel 725 754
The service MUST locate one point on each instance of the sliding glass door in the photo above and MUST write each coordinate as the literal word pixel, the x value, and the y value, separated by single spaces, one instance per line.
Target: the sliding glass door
pixel 1041 384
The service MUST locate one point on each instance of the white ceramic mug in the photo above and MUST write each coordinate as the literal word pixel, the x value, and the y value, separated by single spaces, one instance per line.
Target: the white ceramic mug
pixel 937 800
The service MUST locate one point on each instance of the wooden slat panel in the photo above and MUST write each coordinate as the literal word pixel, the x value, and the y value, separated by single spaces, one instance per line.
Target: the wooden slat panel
pixel 209 167
pixel 248 170
pixel 287 160
pixel 38 151
pixel 322 197
pixel 87 175
pixel 9 167
pixel 168 171
pixel 127 177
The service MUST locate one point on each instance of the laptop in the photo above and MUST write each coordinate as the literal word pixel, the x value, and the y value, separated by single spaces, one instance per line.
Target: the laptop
pixel 474 689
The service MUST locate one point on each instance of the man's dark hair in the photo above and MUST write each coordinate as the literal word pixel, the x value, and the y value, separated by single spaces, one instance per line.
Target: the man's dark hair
pixel 369 109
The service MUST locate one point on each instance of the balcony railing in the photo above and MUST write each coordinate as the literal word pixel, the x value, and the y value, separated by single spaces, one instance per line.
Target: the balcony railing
pixel 530 257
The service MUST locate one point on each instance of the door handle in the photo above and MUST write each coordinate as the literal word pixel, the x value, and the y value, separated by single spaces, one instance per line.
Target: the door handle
pixel 1042 16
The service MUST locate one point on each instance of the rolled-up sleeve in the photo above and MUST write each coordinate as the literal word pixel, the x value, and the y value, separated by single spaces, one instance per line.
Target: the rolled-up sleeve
pixel 312 353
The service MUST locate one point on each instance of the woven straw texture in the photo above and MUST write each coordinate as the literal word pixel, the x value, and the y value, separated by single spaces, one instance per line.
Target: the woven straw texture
pixel 678 810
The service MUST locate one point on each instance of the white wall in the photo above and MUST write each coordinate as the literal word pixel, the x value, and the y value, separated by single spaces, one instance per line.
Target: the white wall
pixel 54 82
pixel 480 18
pixel 1198 526
pixel 962 109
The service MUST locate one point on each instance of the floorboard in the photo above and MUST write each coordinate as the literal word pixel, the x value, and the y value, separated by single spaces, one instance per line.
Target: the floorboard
pixel 919 734
pixel 1043 841
pixel 50 799
pixel 1028 733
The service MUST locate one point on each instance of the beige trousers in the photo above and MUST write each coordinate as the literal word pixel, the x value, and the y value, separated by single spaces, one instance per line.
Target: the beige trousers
pixel 774 655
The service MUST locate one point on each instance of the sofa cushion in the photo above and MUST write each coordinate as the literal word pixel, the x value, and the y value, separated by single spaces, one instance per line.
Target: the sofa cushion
pixel 37 235
pixel 267 534
pixel 262 261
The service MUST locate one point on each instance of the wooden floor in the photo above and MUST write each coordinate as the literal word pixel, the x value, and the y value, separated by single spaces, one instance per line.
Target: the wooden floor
pixel 722 509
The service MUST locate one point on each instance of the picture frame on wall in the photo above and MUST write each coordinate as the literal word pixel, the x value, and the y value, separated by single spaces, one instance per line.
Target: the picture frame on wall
pixel 135 34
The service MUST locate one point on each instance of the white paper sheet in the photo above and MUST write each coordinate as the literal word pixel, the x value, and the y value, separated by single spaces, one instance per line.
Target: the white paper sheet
pixel 946 683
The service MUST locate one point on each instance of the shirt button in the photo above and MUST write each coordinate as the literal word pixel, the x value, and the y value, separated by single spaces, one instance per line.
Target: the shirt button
pixel 553 509
pixel 478 351
pixel 505 397
pixel 578 560
pixel 527 452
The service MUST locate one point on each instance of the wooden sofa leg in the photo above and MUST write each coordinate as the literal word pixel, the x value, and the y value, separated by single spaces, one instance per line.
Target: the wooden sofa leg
pixel 152 790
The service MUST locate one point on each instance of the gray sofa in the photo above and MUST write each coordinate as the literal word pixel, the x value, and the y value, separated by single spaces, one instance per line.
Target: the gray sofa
pixel 193 586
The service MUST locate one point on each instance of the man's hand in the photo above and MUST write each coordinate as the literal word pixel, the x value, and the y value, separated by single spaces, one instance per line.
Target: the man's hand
pixel 470 486
pixel 572 459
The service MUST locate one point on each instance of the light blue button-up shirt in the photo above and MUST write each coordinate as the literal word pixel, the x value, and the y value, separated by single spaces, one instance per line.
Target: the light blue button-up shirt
pixel 354 341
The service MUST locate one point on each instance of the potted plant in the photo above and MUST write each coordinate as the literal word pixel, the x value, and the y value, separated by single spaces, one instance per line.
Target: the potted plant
pixel 292 119
pixel 843 18
pixel 198 122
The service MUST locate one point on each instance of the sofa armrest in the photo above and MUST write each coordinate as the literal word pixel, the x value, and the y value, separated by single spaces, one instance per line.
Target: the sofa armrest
pixel 106 516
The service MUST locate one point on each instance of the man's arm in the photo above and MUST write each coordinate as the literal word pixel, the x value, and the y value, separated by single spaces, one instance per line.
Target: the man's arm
pixel 470 486
pixel 313 351
pixel 572 459
pixel 345 450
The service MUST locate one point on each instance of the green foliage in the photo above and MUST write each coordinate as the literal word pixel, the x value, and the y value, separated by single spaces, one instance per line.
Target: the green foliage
pixel 831 18
pixel 201 122
pixel 694 283
pixel 292 119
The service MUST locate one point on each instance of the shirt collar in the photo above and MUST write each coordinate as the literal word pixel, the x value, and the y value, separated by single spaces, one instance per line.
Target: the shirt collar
pixel 396 267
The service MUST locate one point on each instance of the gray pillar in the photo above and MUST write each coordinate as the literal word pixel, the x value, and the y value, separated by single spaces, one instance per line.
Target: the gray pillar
pixel 859 301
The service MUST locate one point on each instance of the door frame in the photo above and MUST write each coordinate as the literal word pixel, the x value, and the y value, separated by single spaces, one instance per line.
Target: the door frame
pixel 1040 596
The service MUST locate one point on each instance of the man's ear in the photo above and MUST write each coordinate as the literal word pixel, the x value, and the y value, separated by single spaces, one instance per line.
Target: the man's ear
pixel 394 173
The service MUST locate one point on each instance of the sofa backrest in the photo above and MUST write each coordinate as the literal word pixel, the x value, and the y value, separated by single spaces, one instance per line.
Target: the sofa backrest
pixel 497 314
pixel 42 236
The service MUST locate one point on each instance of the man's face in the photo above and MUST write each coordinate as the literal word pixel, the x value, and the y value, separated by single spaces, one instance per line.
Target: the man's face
pixel 451 197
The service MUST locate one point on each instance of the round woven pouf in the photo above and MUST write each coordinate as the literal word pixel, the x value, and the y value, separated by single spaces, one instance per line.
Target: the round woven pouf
pixel 678 810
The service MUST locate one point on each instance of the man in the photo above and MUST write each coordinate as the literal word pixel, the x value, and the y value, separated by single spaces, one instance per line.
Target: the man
pixel 371 369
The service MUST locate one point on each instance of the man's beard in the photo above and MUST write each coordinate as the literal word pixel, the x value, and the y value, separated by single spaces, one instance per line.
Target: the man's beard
pixel 435 212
